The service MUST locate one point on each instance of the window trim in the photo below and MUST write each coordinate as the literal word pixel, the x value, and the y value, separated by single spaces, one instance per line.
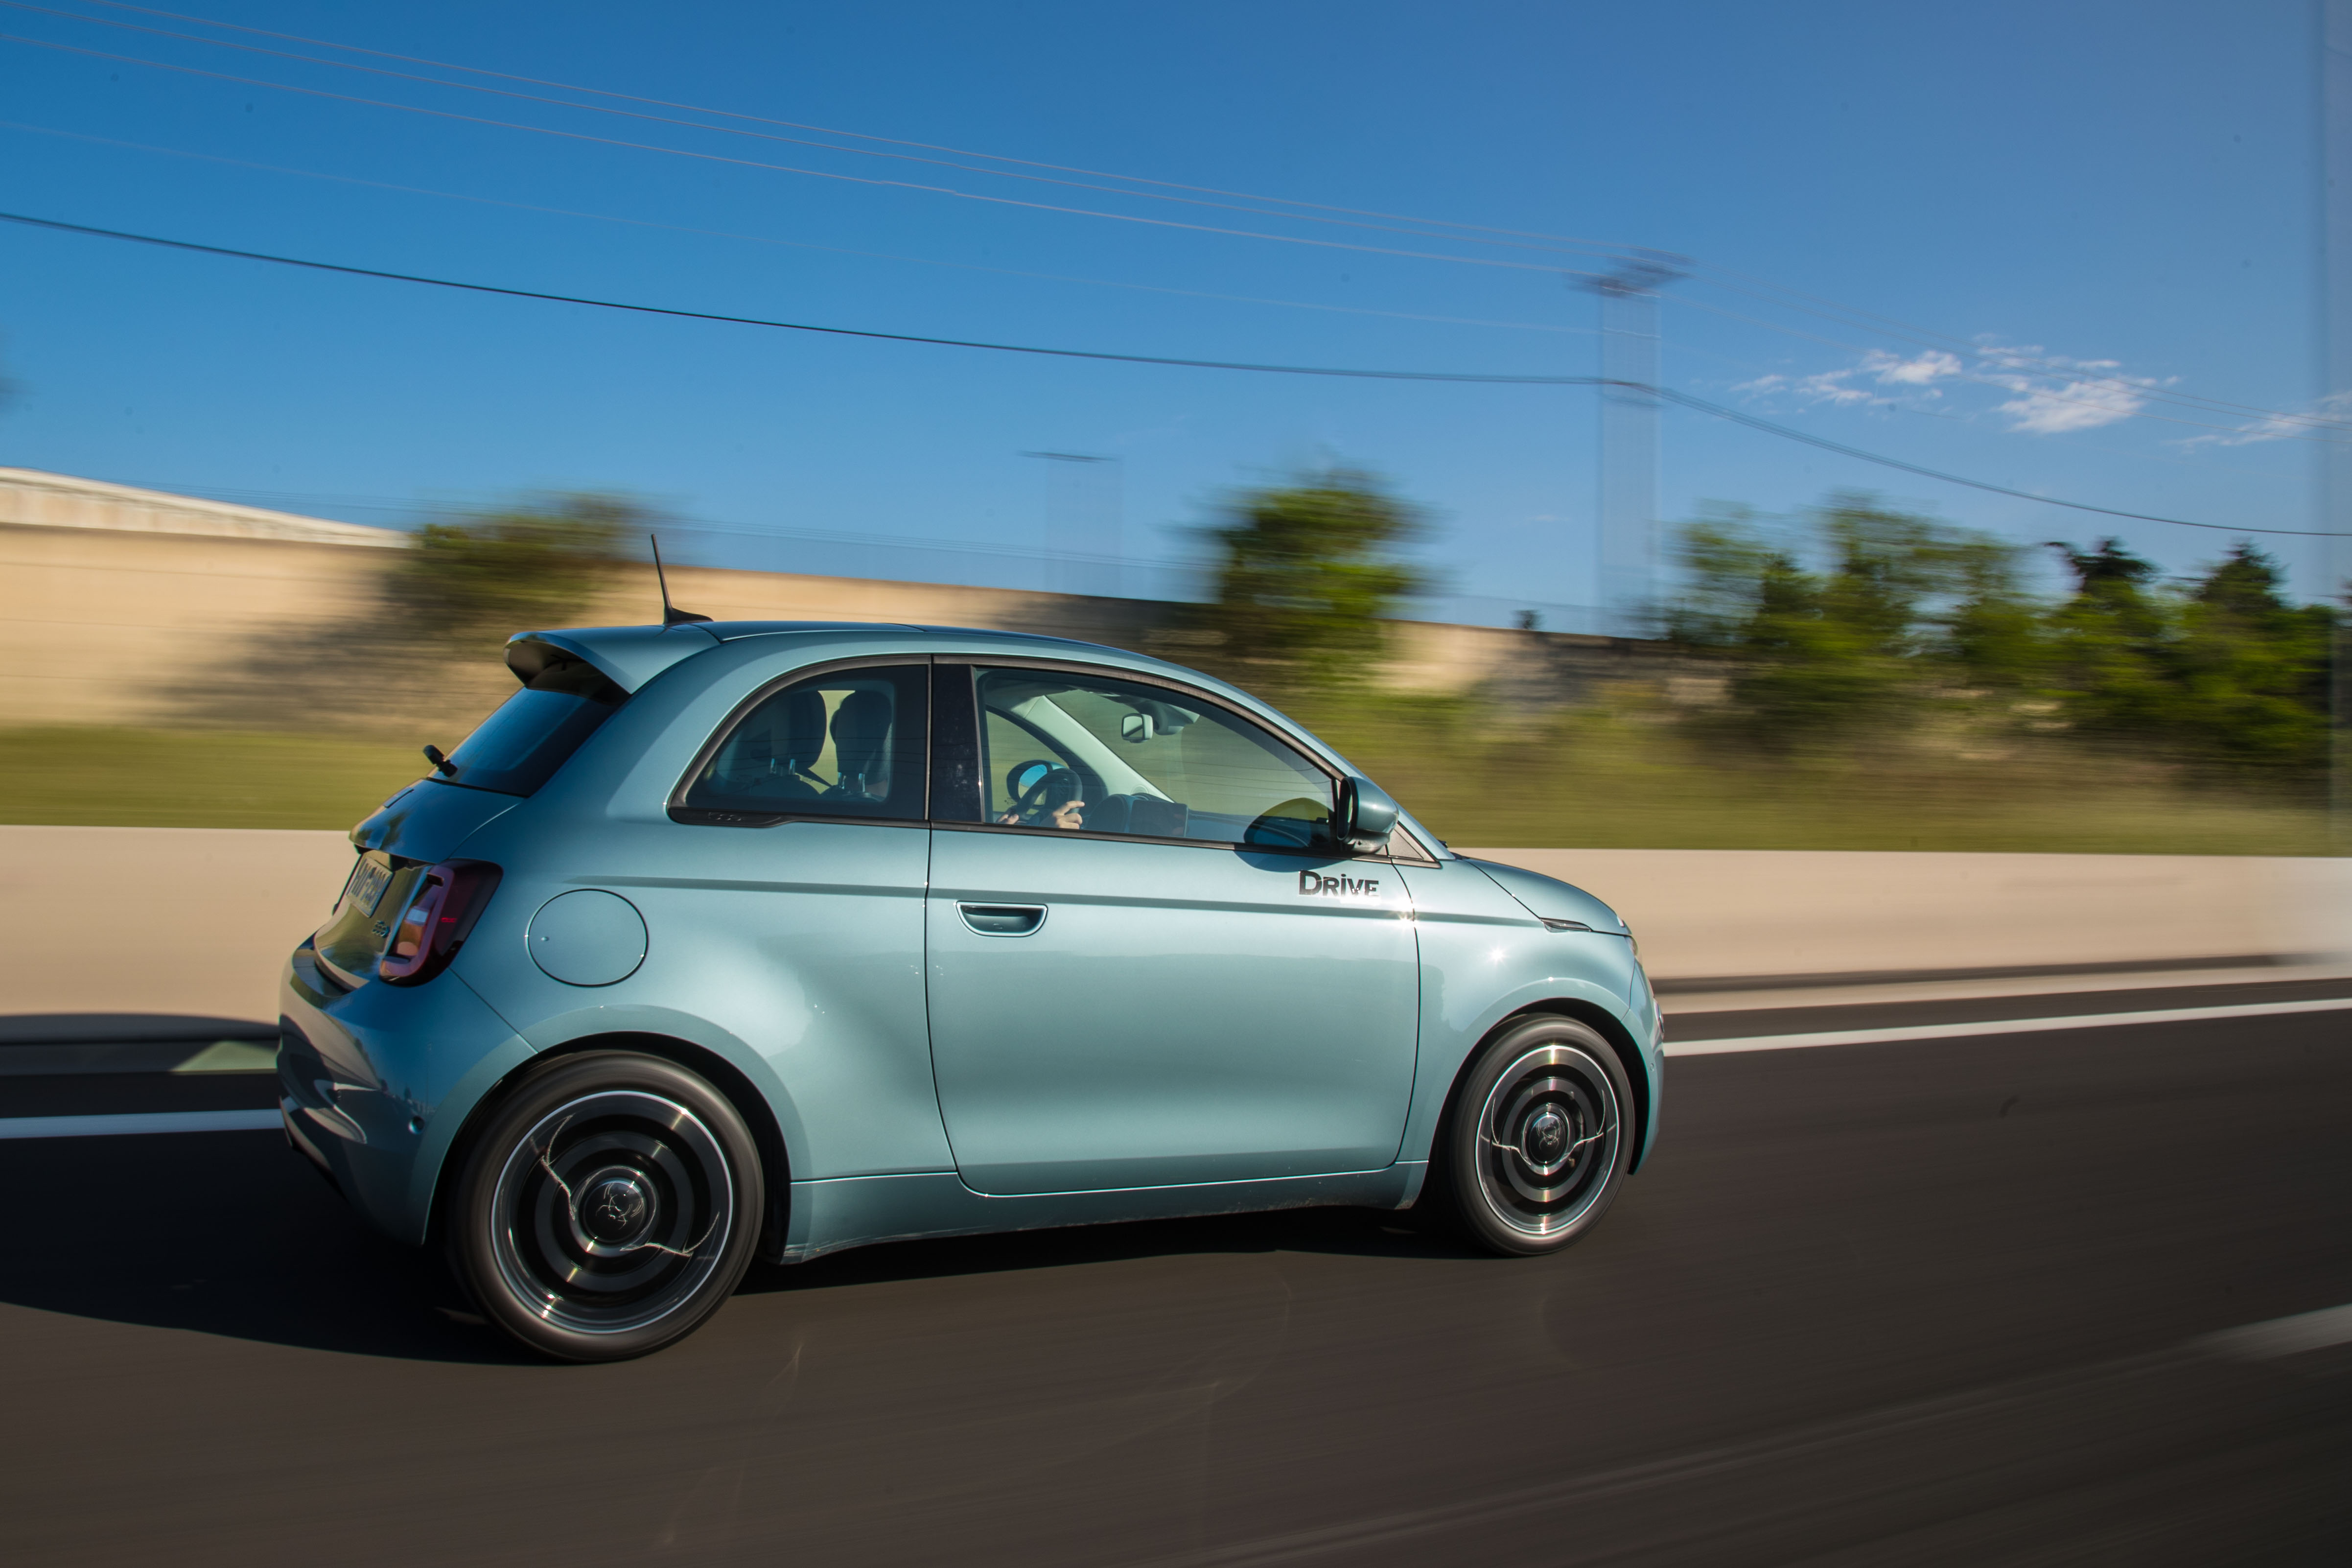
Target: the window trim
pixel 676 808
pixel 1338 851
pixel 703 816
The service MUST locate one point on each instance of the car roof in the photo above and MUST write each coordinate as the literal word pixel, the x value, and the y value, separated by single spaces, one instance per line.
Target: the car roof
pixel 630 656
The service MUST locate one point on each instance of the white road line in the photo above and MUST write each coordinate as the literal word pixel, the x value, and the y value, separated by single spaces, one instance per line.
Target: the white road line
pixel 2000 1026
pixel 266 1121
pixel 2281 1336
pixel 138 1123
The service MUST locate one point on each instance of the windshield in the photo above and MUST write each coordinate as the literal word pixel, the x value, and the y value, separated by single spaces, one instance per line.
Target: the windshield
pixel 532 733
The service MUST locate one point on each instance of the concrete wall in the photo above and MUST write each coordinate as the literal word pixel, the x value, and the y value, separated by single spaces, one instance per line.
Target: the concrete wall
pixel 100 924
pixel 126 606
pixel 118 628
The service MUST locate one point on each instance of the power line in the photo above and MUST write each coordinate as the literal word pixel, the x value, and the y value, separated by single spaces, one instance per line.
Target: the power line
pixel 1496 379
pixel 769 136
pixel 1473 378
pixel 784 168
pixel 805 244
pixel 1833 310
pixel 1734 416
pixel 858 135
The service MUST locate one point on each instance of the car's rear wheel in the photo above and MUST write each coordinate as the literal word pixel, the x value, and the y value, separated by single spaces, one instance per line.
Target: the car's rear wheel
pixel 609 1205
pixel 1538 1139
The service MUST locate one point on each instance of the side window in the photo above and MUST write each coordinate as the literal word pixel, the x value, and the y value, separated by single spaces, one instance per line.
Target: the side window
pixel 1066 752
pixel 848 743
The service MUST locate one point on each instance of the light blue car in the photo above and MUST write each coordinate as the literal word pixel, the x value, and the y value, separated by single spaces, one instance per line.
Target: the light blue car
pixel 760 940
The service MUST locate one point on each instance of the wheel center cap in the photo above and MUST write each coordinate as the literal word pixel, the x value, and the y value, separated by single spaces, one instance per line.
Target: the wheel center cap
pixel 614 1208
pixel 1547 1136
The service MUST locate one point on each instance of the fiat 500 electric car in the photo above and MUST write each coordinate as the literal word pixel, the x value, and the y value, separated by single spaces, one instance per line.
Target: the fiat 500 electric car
pixel 751 939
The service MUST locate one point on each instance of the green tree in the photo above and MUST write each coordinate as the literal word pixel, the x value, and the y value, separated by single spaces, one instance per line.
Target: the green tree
pixel 1903 621
pixel 2251 667
pixel 1305 577
pixel 2112 653
pixel 530 565
pixel 1900 608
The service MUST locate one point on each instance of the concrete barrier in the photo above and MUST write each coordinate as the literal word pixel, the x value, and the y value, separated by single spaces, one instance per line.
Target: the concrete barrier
pixel 1713 916
pixel 116 931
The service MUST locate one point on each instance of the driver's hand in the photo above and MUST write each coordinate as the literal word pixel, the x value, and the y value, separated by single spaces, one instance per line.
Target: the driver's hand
pixel 1009 819
pixel 1070 815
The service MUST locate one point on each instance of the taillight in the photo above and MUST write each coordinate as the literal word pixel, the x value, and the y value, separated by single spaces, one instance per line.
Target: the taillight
pixel 441 913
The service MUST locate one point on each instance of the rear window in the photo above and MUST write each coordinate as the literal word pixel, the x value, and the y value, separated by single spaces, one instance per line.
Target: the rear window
pixel 518 748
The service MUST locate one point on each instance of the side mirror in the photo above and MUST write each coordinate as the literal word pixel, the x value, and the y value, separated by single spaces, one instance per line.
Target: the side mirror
pixel 1367 816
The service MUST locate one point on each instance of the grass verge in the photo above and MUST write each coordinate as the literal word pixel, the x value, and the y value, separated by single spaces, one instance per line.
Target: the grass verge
pixel 1586 783
pixel 195 778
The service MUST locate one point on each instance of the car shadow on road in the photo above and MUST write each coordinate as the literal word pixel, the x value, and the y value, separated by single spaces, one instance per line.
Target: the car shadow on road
pixel 232 1234
pixel 1370 1233
pixel 224 1233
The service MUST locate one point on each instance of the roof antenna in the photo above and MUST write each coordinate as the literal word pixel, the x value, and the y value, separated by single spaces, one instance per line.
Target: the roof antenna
pixel 670 617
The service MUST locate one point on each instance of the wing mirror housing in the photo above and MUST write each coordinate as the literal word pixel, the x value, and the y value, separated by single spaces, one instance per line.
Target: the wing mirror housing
pixel 1367 816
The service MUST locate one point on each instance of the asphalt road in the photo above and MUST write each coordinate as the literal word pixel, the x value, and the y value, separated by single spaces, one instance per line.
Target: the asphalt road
pixel 1941 1302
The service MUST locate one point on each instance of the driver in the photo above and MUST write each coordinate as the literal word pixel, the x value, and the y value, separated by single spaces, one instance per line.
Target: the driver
pixel 1035 805
pixel 1069 815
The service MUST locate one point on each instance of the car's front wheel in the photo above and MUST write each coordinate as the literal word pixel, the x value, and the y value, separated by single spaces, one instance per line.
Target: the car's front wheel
pixel 609 1204
pixel 1538 1139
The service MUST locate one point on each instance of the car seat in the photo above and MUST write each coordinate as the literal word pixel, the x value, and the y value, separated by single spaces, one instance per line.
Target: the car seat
pixel 770 756
pixel 861 746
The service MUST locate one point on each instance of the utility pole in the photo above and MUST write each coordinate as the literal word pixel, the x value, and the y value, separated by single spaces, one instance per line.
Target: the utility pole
pixel 1625 558
pixel 1084 502
pixel 2335 41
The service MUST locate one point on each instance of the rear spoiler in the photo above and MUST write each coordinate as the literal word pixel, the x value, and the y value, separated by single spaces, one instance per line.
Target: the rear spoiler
pixel 627 656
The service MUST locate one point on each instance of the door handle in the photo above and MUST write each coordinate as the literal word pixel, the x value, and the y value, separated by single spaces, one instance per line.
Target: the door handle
pixel 1003 920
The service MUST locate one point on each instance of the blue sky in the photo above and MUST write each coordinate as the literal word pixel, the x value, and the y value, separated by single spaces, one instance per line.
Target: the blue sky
pixel 2068 248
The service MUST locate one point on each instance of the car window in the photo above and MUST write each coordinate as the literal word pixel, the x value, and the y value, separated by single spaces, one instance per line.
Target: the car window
pixel 847 743
pixel 1070 752
pixel 533 733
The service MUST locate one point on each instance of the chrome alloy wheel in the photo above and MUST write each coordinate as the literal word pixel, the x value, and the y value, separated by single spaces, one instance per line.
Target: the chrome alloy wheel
pixel 1548 1138
pixel 612 1211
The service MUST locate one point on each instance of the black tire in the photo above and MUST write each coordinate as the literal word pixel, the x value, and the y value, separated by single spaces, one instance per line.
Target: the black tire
pixel 609 1204
pixel 1537 1139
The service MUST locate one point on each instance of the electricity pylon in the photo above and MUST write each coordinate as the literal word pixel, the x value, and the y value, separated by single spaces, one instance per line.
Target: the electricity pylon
pixel 1625 560
pixel 2334 18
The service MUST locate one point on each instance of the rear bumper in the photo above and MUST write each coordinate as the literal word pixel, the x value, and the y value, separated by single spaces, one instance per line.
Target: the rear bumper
pixel 376 1082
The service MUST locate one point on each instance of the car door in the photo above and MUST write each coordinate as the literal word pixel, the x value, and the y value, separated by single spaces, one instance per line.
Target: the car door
pixel 800 927
pixel 1148 963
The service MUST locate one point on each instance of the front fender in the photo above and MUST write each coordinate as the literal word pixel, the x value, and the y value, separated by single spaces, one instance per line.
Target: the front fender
pixel 1485 958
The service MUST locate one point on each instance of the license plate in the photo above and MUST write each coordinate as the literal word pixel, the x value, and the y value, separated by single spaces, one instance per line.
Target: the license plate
pixel 368 882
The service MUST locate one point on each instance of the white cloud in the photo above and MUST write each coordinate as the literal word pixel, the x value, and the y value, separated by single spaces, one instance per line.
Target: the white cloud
pixel 1929 367
pixel 2052 394
pixel 2049 395
pixel 2076 405
pixel 1835 386
pixel 2329 416
pixel 1829 387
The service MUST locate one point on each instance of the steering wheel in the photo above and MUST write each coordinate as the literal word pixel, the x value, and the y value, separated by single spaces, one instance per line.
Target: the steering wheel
pixel 1054 787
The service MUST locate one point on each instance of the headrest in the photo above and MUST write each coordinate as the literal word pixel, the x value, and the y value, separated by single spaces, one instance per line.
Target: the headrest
pixel 796 729
pixel 861 736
